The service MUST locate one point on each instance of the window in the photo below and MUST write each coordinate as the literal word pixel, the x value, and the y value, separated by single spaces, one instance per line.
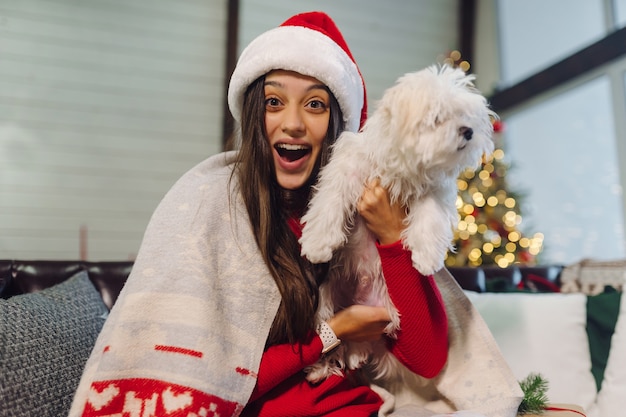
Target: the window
pixel 562 140
pixel 537 33
pixel 620 13
pixel 565 157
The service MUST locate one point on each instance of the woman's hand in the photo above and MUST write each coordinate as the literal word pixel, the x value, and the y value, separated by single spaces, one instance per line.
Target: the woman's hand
pixel 383 219
pixel 360 323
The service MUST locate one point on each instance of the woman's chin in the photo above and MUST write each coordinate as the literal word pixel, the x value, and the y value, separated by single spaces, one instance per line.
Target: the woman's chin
pixel 292 181
pixel 292 184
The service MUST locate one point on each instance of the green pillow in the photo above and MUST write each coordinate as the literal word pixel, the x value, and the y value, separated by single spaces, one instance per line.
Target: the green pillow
pixel 45 340
pixel 602 313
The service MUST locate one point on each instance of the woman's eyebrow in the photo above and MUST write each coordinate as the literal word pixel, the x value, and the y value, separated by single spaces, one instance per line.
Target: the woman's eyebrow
pixel 274 83
pixel 310 88
pixel 317 87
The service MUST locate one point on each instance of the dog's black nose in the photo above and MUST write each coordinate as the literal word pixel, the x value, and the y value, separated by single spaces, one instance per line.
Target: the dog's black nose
pixel 467 132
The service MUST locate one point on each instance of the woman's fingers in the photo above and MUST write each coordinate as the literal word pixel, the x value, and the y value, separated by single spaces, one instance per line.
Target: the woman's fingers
pixel 383 219
pixel 360 323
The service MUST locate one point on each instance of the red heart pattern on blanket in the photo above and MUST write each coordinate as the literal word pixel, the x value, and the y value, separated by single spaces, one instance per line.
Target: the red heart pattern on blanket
pixel 151 398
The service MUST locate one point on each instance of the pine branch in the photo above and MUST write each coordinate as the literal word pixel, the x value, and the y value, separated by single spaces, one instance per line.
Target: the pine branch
pixel 535 399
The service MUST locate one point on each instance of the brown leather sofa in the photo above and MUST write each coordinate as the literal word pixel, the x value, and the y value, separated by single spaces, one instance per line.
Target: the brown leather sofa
pixel 545 278
pixel 27 276
pixel 24 276
pixel 47 334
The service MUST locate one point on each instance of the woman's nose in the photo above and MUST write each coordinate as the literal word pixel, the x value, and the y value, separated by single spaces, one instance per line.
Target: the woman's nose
pixel 293 122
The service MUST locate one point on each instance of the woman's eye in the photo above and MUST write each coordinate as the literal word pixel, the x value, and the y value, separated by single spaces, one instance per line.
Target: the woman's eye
pixel 272 102
pixel 317 104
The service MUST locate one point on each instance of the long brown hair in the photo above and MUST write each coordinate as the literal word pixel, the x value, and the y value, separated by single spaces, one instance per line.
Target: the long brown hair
pixel 269 207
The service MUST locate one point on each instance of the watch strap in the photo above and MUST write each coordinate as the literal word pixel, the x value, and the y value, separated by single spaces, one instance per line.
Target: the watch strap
pixel 329 338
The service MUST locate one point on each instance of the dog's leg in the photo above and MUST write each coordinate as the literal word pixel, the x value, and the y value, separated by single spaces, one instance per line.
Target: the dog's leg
pixel 361 255
pixel 331 364
pixel 429 232
pixel 333 204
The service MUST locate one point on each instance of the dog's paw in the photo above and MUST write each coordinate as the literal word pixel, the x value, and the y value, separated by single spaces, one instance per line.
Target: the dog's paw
pixel 320 371
pixel 357 356
pixel 315 374
pixel 317 255
pixel 425 264
pixel 318 248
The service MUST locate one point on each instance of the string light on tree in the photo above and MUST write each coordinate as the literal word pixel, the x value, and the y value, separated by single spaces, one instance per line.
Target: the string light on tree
pixel 488 231
pixel 454 59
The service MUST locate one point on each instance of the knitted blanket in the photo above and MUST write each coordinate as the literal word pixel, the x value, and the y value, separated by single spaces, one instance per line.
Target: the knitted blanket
pixel 186 335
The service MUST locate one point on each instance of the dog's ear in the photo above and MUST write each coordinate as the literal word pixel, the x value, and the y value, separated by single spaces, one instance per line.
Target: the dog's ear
pixel 434 115
pixel 442 86
pixel 417 99
pixel 402 109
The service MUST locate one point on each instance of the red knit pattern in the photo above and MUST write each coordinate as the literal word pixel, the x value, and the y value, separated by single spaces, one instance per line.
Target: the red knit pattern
pixel 422 344
pixel 335 396
pixel 180 350
pixel 151 398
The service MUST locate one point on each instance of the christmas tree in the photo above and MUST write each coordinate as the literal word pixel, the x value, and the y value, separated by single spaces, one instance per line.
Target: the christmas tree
pixel 488 231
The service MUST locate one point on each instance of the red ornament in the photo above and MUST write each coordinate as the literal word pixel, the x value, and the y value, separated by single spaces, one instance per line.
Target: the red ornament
pixel 525 257
pixel 498 126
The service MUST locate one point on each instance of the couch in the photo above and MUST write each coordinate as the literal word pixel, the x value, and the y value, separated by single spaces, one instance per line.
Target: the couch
pixel 50 315
pixel 52 311
pixel 566 323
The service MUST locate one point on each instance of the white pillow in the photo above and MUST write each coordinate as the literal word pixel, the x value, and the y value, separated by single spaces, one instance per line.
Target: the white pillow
pixel 545 334
pixel 611 398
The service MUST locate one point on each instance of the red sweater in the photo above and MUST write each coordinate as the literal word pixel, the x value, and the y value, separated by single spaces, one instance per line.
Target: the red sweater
pixel 422 346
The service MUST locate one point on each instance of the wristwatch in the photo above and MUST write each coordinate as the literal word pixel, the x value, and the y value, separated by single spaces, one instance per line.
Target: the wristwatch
pixel 329 338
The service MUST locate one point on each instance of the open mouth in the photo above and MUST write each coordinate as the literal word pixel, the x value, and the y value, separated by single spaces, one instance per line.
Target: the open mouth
pixel 292 152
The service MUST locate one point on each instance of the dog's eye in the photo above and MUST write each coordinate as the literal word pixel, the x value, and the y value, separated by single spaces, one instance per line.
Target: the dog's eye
pixel 466 132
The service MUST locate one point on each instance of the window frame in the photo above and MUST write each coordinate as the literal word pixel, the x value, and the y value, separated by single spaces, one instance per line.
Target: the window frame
pixel 604 57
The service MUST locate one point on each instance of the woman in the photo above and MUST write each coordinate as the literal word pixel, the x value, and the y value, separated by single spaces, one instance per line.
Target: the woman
pixel 276 168
pixel 218 315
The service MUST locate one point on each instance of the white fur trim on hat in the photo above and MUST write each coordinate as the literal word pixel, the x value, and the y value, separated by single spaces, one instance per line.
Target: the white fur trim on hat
pixel 305 51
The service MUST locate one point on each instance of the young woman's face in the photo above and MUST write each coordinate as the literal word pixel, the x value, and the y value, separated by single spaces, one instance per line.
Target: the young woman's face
pixel 297 111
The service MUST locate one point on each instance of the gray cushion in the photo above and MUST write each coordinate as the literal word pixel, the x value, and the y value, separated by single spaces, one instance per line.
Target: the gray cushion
pixel 45 340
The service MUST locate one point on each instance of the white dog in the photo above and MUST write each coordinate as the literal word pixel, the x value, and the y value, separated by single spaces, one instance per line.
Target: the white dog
pixel 427 128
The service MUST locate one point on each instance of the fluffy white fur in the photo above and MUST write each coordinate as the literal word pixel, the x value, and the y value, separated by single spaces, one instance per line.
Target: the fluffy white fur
pixel 426 129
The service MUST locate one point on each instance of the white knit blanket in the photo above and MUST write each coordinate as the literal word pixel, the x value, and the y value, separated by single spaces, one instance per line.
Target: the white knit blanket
pixel 187 333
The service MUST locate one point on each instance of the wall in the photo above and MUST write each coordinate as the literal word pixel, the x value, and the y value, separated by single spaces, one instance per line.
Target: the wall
pixel 103 105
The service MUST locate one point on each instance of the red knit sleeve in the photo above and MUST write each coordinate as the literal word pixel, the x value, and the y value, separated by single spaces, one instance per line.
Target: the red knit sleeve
pixel 422 344
pixel 280 362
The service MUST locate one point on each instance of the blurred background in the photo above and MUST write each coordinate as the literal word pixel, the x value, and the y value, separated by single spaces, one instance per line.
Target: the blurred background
pixel 104 104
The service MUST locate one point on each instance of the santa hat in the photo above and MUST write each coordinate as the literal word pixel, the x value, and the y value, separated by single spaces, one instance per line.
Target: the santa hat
pixel 312 45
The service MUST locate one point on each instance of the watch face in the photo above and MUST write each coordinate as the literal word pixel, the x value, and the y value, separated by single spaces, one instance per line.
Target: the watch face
pixel 328 349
